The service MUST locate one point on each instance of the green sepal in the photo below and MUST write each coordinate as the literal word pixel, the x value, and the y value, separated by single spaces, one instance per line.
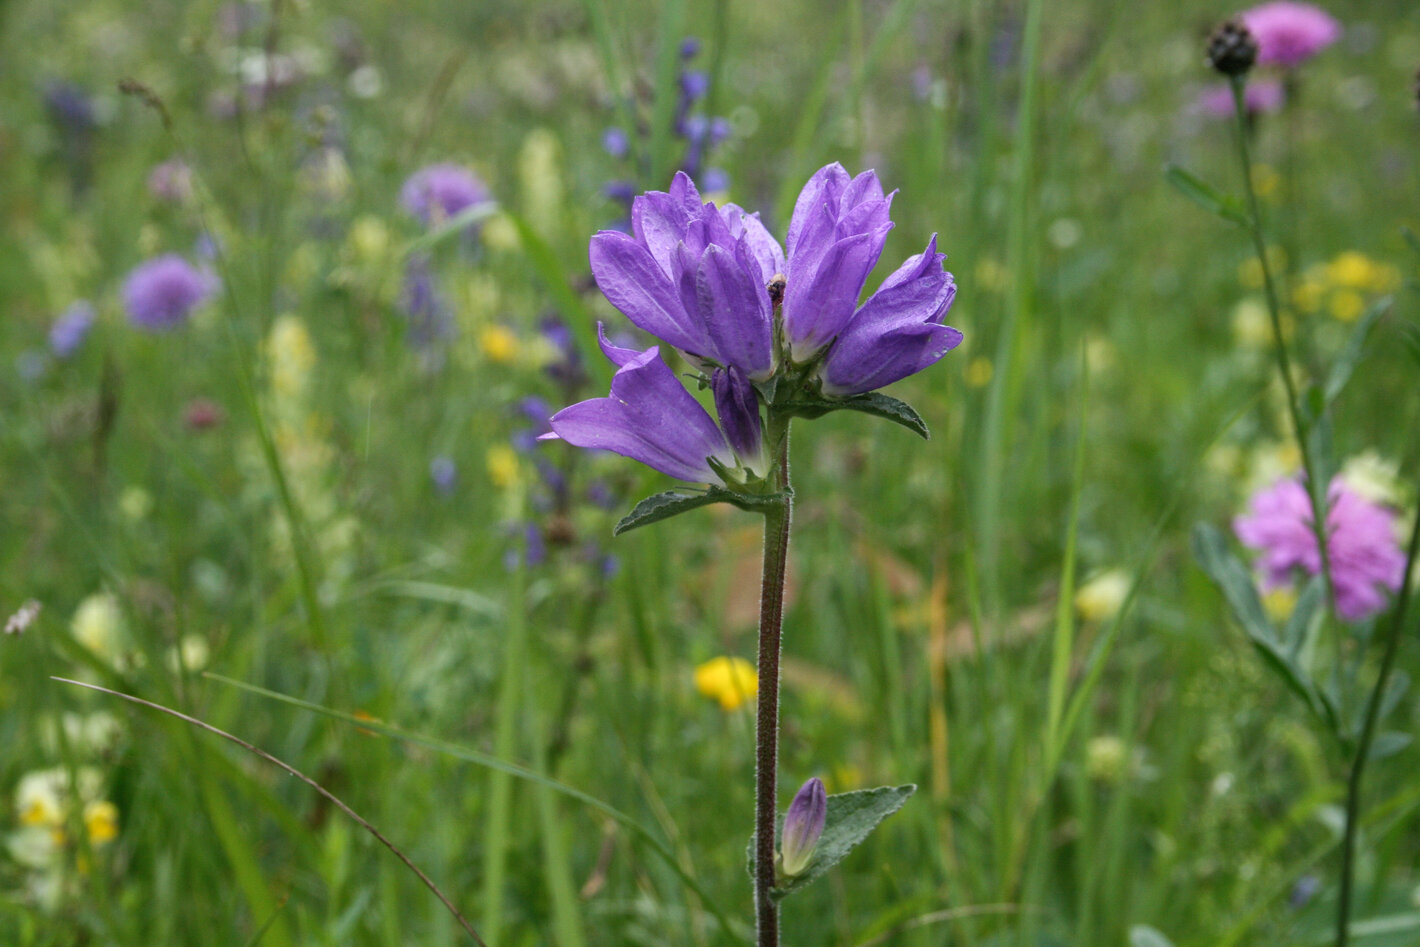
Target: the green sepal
pixel 851 818
pixel 663 506
pixel 1206 195
pixel 874 403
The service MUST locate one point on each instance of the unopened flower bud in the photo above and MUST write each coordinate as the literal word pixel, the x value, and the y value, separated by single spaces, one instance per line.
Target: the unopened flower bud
pixel 738 407
pixel 1232 49
pixel 803 825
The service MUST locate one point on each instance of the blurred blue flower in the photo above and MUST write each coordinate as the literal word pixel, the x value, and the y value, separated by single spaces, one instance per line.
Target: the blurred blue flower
pixel 71 328
pixel 444 472
pixel 160 294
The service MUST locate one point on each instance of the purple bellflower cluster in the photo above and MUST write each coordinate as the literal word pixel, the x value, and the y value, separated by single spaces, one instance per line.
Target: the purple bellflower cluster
pixel 1365 556
pixel 702 135
pixel 767 327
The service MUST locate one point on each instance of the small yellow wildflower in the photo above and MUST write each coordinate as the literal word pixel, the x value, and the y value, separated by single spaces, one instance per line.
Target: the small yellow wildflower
pixel 1279 603
pixel 1347 305
pixel 500 233
pixel 978 372
pixel 499 344
pixel 730 680
pixel 1107 760
pixel 369 239
pixel 101 822
pixel 292 356
pixel 1101 597
pixel 135 503
pixel 504 468
pixel 1250 270
pixel 98 624
pixel 1252 327
pixel 1265 180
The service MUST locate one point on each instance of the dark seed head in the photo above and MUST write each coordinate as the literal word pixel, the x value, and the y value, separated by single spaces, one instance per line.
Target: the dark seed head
pixel 1232 49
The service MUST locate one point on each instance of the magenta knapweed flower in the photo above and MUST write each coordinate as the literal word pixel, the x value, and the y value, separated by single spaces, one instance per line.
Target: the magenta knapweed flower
pixel 1366 559
pixel 161 293
pixel 1288 32
pixel 441 191
pixel 1260 97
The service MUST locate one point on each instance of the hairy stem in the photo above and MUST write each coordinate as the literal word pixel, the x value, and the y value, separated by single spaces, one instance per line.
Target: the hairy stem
pixel 771 618
pixel 1363 746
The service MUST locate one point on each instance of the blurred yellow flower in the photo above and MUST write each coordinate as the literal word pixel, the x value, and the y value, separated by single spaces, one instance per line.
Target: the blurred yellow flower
pixel 1347 305
pixel 98 624
pixel 500 233
pixel 990 275
pixel 369 239
pixel 1107 759
pixel 292 356
pixel 101 821
pixel 135 503
pixel 730 680
pixel 504 468
pixel 1252 327
pixel 1279 603
pixel 978 372
pixel 1265 180
pixel 499 344
pixel 1101 597
pixel 1373 477
pixel 1250 270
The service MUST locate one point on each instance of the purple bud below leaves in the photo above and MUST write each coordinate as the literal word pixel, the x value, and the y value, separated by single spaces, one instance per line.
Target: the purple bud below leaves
pixel 803 825
pixel 738 408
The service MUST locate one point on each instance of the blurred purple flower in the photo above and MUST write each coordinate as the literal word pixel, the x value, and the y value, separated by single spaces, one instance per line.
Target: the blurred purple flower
pixel 1306 888
pixel 70 106
pixel 71 328
pixel 430 319
pixel 161 293
pixel 444 473
pixel 1288 32
pixel 171 181
pixel 694 84
pixel 615 142
pixel 1366 559
pixel 1259 97
pixel 689 48
pixel 441 191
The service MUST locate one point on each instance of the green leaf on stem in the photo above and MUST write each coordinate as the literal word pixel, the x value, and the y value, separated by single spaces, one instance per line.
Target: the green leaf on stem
pixel 1350 356
pixel 1388 743
pixel 874 403
pixel 663 506
pixel 1211 550
pixel 851 818
pixel 1206 195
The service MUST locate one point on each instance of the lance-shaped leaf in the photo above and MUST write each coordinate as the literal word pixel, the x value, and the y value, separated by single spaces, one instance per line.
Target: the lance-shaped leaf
pixel 663 506
pixel 1206 195
pixel 874 403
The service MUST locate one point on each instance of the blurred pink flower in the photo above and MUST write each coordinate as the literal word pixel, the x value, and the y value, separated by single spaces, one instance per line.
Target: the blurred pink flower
pixel 1289 32
pixel 1260 96
pixel 1366 559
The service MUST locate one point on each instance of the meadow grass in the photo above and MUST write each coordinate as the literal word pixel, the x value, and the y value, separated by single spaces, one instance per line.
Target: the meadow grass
pixel 530 733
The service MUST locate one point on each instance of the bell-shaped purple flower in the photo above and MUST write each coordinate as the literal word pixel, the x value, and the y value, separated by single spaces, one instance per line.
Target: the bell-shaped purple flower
pixel 803 826
pixel 737 404
pixel 694 275
pixel 898 331
pixel 649 417
pixel 835 238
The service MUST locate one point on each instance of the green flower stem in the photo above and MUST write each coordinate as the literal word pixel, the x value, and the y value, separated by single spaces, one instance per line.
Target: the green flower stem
pixel 771 619
pixel 1363 747
pixel 1316 492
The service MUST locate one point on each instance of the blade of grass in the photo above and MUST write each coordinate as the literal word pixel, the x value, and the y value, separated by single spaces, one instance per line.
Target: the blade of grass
pixel 226 823
pixel 482 759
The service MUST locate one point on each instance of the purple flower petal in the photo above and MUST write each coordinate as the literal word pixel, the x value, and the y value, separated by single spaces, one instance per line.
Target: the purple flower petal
pixel 635 284
pixel 816 308
pixel 738 407
pixel 763 247
pixel 734 308
pixel 822 189
pixel 649 417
